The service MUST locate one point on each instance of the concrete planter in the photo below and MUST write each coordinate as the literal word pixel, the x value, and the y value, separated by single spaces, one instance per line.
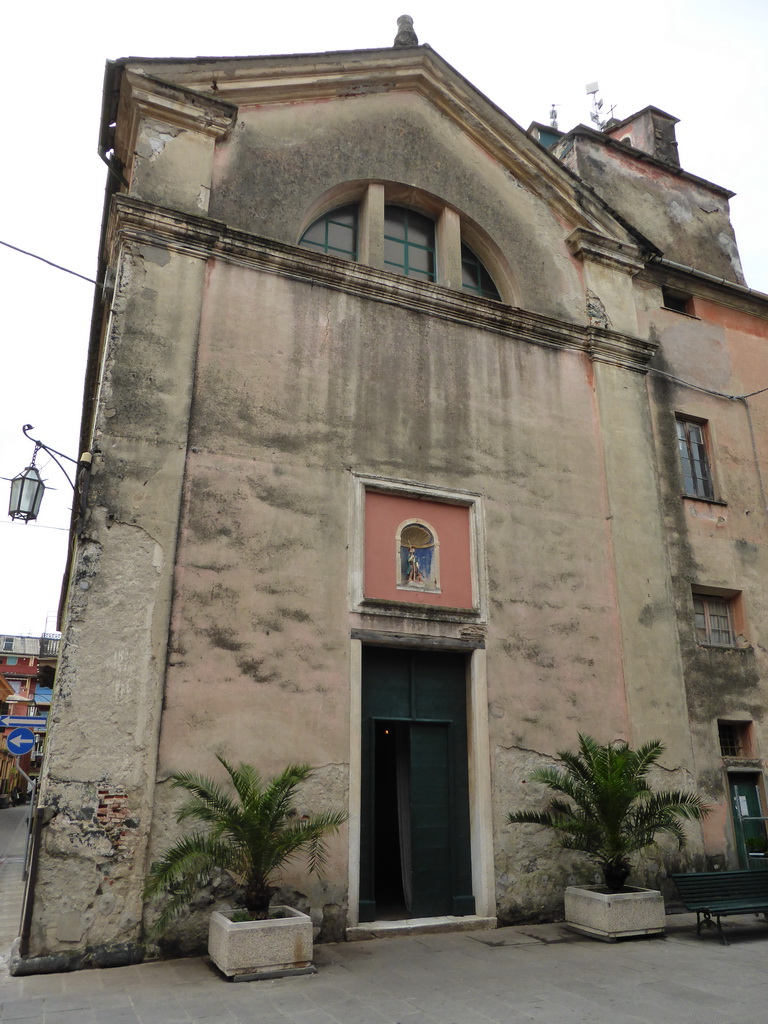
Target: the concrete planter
pixel 249 950
pixel 609 916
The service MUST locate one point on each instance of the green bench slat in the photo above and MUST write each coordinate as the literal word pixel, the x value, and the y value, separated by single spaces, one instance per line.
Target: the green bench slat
pixel 721 893
pixel 727 906
pixel 734 890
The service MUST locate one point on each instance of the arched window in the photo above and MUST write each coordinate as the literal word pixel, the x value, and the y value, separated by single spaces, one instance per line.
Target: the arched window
pixel 335 233
pixel 474 277
pixel 409 243
pixel 403 240
pixel 417 557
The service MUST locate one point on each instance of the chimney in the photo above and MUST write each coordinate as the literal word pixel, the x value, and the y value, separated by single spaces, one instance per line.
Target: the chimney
pixel 650 130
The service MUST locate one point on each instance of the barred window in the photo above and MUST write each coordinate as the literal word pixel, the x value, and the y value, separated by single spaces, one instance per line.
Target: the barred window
pixel 734 739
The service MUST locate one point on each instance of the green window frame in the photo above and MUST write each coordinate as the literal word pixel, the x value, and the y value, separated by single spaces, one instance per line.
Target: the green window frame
pixel 335 233
pixel 474 277
pixel 409 243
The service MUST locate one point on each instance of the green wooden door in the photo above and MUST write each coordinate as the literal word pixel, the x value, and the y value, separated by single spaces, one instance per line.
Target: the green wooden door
pixel 420 698
pixel 748 820
pixel 430 792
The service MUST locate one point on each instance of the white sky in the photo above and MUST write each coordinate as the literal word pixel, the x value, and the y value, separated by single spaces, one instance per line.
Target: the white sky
pixel 702 60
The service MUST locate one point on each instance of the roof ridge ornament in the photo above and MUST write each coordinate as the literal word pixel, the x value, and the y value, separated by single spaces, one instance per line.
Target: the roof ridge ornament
pixel 405 34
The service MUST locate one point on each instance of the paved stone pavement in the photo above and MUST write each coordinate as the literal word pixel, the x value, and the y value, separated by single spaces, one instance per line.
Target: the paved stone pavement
pixel 539 973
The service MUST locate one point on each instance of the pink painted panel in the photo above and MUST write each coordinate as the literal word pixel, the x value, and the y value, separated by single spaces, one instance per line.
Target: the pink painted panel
pixel 384 513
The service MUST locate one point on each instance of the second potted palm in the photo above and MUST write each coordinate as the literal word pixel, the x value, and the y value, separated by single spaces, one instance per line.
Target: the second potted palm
pixel 604 806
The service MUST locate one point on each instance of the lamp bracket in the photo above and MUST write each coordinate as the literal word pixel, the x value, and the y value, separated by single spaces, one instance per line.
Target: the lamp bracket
pixel 51 451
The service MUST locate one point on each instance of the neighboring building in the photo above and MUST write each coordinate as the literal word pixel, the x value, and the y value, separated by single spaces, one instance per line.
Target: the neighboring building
pixel 420 448
pixel 7 761
pixel 28 667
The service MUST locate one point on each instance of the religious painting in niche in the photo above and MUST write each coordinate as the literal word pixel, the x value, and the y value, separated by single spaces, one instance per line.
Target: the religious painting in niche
pixel 417 550
pixel 417 557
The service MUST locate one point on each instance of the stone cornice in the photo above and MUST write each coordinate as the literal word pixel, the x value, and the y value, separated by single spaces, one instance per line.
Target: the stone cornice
pixel 134 221
pixel 143 96
pixel 178 106
pixel 609 252
pixel 619 349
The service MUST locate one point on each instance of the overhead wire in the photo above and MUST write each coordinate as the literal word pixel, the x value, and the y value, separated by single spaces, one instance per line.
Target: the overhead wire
pixel 50 263
pixel 707 391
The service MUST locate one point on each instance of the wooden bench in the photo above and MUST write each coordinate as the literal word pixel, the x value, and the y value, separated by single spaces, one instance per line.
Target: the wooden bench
pixel 716 894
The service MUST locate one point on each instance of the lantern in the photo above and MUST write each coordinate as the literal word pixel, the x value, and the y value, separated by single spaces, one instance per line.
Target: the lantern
pixel 26 494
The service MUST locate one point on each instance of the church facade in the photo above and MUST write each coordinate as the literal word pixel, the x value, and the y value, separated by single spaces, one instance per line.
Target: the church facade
pixel 422 444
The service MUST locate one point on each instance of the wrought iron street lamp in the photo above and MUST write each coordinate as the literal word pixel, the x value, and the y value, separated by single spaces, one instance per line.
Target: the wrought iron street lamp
pixel 27 488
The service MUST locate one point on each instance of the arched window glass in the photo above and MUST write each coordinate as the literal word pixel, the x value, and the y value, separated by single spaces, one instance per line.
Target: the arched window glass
pixel 334 233
pixel 474 277
pixel 409 243
pixel 418 557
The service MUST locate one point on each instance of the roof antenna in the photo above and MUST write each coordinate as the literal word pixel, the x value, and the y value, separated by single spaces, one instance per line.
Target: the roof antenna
pixel 553 116
pixel 596 114
pixel 405 34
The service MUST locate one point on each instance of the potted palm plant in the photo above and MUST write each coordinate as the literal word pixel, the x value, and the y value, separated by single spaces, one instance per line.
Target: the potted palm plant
pixel 605 807
pixel 249 831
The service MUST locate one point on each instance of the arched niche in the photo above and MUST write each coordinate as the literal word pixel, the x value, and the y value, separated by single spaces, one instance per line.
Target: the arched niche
pixel 417 557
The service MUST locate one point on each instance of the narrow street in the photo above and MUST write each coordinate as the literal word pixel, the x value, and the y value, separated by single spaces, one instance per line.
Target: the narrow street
pixel 13 838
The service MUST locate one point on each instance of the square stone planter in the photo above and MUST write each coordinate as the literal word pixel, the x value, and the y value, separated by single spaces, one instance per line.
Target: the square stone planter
pixel 249 950
pixel 609 916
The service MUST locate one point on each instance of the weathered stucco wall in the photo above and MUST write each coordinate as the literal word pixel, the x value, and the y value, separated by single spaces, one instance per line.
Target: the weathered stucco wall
pixel 112 669
pixel 287 402
pixel 172 167
pixel 688 220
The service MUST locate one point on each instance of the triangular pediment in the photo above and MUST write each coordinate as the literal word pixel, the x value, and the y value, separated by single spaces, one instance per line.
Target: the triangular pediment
pixel 263 81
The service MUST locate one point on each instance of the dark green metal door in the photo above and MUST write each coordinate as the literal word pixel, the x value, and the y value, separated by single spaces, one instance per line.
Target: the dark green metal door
pixel 418 699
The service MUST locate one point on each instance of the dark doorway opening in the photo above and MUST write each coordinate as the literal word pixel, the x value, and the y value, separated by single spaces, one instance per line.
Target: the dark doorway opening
pixel 392 743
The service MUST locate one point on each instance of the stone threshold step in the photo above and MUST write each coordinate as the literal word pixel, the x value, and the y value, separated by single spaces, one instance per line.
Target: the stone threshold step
pixel 419 926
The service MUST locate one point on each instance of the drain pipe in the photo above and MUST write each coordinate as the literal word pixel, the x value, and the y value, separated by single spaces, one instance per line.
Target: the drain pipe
pixel 38 820
pixel 32 783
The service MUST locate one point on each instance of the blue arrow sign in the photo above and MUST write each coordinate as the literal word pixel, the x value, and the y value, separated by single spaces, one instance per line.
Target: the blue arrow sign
pixel 20 741
pixel 28 722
